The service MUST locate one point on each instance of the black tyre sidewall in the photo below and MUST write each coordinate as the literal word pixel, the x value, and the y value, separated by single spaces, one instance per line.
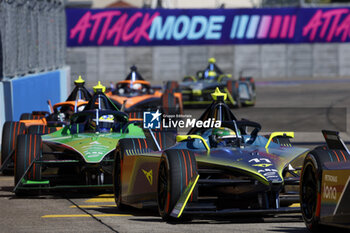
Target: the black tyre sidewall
pixel 41 129
pixel 26 116
pixel 175 169
pixel 28 148
pixel 168 103
pixel 311 161
pixel 172 86
pixel 10 131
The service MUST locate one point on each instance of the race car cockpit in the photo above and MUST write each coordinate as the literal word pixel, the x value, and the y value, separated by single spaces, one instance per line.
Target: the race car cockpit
pixel 99 115
pixel 133 85
pixel 232 132
pixel 76 102
pixel 212 71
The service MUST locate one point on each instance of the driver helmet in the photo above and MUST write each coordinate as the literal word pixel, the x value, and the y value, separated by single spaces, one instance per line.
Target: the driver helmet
pixel 211 75
pixel 136 86
pixel 105 123
pixel 223 133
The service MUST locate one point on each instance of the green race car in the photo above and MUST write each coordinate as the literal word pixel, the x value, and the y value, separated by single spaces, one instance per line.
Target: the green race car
pixel 80 155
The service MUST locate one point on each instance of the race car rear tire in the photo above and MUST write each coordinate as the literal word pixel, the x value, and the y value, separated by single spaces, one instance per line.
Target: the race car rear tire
pixel 172 86
pixel 41 129
pixel 26 116
pixel 170 104
pixel 10 132
pixel 233 88
pixel 310 191
pixel 29 148
pixel 250 80
pixel 176 169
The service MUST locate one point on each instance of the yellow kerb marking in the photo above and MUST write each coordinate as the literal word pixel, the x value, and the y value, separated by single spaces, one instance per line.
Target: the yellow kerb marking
pixel 106 195
pixel 100 200
pixel 92 206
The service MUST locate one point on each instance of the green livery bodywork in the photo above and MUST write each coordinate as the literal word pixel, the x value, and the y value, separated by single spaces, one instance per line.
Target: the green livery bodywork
pixel 79 155
pixel 93 147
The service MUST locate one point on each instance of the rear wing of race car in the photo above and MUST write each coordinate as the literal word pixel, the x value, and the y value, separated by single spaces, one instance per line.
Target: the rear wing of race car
pixel 333 140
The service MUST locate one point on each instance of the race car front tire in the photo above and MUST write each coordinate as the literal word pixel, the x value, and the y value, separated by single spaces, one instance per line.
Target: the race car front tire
pixel 172 86
pixel 29 148
pixel 10 132
pixel 176 169
pixel 170 104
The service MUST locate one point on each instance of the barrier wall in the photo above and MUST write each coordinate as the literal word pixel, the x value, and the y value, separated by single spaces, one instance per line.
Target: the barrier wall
pixel 2 108
pixel 30 93
pixel 111 64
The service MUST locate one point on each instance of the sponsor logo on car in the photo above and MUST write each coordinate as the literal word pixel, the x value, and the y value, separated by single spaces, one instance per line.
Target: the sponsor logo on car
pixel 329 192
pixel 331 178
pixel 149 175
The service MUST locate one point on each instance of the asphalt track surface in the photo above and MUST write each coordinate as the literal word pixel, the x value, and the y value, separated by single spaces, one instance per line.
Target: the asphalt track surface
pixel 72 211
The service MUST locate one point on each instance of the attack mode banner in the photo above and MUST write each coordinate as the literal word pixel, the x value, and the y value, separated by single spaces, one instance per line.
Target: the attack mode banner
pixel 145 27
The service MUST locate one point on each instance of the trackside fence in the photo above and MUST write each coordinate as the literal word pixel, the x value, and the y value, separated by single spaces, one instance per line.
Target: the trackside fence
pixel 33 36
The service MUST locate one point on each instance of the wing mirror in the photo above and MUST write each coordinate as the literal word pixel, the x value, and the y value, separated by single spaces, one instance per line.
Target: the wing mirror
pixel 181 138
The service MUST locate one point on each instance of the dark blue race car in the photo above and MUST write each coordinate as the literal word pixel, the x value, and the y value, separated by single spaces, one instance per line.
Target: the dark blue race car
pixel 196 90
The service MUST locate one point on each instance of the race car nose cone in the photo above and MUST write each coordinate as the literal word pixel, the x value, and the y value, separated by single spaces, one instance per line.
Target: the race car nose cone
pixel 197 92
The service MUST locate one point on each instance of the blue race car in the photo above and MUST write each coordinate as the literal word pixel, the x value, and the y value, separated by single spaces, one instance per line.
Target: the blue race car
pixel 223 169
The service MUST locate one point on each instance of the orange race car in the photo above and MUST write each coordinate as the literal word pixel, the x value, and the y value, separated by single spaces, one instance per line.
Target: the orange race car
pixel 42 122
pixel 135 95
